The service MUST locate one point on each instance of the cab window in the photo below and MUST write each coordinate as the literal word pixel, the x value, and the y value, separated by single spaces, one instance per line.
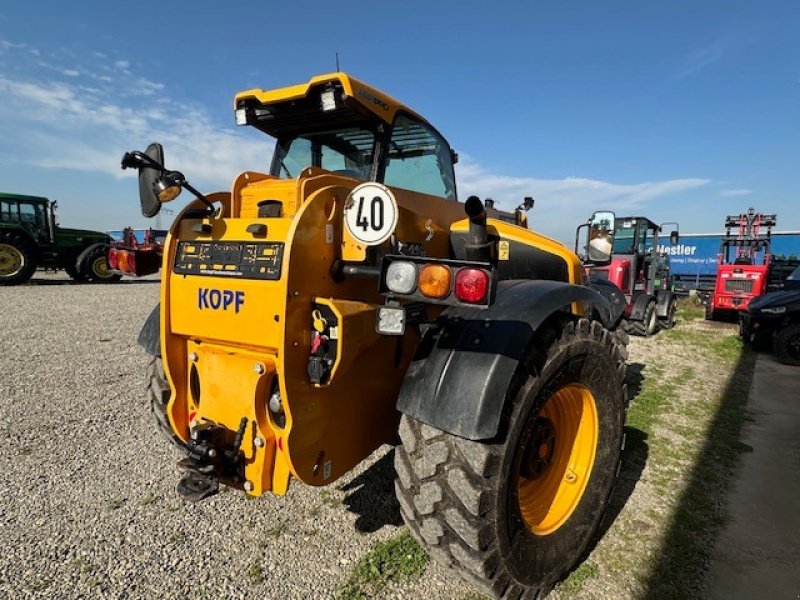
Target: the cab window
pixel 347 151
pixel 418 159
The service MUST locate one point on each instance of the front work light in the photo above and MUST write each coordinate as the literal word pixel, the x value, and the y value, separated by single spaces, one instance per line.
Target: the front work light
pixel 327 100
pixel 401 277
pixel 391 320
pixel 241 116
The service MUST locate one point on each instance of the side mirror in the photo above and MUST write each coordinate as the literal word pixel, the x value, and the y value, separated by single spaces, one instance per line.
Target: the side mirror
pixel 150 164
pixel 674 237
pixel 600 243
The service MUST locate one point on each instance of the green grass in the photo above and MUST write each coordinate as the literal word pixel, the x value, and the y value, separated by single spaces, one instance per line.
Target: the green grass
pixel 578 578
pixel 116 503
pixel 328 499
pixel 396 560
pixel 689 310
pixel 256 573
pixel 149 498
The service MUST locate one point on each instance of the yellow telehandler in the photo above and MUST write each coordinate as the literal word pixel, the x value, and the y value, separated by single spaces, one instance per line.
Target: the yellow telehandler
pixel 347 299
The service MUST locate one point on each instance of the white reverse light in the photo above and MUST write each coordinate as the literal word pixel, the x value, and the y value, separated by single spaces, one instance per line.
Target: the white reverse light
pixel 391 320
pixel 241 116
pixel 401 277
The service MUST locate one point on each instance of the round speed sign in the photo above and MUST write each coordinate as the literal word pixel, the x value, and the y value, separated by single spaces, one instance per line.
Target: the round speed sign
pixel 371 213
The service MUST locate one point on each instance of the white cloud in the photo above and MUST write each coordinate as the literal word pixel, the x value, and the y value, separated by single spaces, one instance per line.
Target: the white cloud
pixel 735 192
pixel 561 204
pixel 63 118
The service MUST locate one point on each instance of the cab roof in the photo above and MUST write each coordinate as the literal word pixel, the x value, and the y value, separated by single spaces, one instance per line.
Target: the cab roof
pixel 22 198
pixel 297 107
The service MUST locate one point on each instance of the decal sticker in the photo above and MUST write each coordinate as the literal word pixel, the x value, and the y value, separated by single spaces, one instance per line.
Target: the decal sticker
pixel 370 213
pixel 210 298
pixel 329 233
pixel 326 469
pixel 429 229
pixel 503 250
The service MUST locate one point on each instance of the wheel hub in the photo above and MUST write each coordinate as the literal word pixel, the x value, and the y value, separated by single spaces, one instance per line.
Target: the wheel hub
pixel 11 260
pixel 557 459
pixel 541 448
pixel 100 267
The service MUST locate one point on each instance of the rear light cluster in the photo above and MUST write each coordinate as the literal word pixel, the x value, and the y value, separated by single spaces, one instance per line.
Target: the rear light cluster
pixel 443 282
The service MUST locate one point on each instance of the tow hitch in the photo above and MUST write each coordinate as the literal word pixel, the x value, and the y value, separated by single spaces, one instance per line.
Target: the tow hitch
pixel 210 459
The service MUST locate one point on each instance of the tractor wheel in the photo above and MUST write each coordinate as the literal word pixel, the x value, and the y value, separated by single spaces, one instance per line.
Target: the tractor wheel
pixel 93 265
pixel 74 273
pixel 709 310
pixel 515 513
pixel 649 323
pixel 786 345
pixel 17 258
pixel 668 322
pixel 158 394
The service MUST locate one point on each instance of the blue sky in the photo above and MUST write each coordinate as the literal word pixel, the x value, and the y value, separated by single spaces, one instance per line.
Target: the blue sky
pixel 680 111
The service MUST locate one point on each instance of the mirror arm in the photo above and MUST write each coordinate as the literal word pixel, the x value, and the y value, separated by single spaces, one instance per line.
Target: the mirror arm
pixel 138 160
pixel 198 195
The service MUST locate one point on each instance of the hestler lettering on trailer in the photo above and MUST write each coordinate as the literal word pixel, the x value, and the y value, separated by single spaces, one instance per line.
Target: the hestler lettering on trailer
pixel 214 299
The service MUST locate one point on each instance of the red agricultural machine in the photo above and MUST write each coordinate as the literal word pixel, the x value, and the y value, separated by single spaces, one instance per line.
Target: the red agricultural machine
pixel 136 255
pixel 743 264
pixel 640 270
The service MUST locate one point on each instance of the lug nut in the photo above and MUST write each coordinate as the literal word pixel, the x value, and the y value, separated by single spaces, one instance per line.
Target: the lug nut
pixel 248 487
pixel 258 368
pixel 275 403
pixel 193 356
pixel 259 442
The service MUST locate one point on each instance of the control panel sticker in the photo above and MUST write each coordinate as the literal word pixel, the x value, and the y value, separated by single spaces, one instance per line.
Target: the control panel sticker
pixel 240 260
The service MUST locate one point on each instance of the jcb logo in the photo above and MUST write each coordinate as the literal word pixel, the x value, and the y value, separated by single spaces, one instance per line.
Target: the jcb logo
pixel 219 299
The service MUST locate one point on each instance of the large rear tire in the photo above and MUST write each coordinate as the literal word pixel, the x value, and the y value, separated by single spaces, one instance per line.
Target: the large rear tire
pixel 786 344
pixel 92 264
pixel 158 395
pixel 514 514
pixel 18 258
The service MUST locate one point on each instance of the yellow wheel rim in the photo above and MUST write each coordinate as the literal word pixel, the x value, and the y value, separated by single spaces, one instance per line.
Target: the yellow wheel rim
pixel 100 267
pixel 11 260
pixel 557 462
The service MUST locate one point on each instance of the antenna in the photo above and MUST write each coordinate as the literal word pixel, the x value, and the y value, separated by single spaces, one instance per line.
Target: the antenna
pixel 337 63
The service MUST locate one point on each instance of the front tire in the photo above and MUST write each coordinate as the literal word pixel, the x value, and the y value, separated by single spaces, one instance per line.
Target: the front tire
pixel 514 514
pixel 668 322
pixel 18 258
pixel 158 395
pixel 92 264
pixel 649 323
pixel 786 345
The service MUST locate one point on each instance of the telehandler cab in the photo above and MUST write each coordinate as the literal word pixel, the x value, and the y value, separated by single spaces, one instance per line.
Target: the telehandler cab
pixel 314 312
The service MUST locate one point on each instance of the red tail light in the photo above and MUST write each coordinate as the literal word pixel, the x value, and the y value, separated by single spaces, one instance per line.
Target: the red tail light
pixel 471 285
pixel 112 259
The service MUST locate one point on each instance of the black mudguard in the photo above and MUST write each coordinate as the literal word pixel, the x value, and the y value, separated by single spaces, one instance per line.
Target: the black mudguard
pixel 459 377
pixel 150 335
pixel 616 299
pixel 639 307
pixel 663 300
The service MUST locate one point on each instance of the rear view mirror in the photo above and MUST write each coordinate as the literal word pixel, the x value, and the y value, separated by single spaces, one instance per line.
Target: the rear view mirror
pixel 600 244
pixel 673 238
pixel 147 177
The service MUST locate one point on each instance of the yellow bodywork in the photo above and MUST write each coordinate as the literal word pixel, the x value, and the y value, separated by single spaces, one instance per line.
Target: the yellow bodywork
pixel 222 365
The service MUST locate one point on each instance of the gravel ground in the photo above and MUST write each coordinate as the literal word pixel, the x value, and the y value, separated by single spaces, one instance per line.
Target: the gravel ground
pixel 87 503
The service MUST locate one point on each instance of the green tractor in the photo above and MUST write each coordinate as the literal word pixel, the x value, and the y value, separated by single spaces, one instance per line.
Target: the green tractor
pixel 30 238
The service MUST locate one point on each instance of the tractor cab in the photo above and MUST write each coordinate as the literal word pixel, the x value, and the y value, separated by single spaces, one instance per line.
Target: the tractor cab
pixel 33 214
pixel 639 269
pixel 637 264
